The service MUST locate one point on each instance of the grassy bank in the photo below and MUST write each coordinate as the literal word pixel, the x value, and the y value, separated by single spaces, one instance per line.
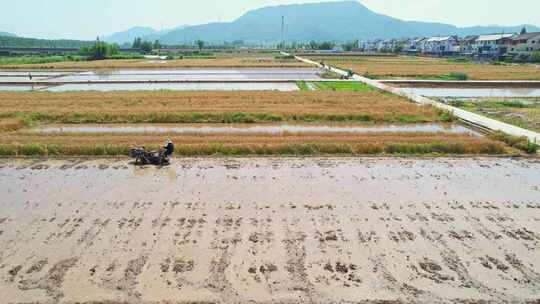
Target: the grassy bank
pixel 348 86
pixel 521 112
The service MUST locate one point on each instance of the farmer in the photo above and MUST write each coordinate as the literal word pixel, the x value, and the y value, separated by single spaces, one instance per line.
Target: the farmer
pixel 169 148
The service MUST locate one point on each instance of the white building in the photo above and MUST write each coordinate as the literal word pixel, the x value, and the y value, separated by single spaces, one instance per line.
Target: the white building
pixel 491 45
pixel 441 45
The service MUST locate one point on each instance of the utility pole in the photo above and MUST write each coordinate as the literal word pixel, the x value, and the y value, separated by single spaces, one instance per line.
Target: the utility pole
pixel 283 32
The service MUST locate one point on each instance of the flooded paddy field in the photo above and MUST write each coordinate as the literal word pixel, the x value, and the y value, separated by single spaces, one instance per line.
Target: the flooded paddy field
pixel 474 92
pixel 271 230
pixel 411 67
pixel 232 60
pixel 222 79
pixel 216 86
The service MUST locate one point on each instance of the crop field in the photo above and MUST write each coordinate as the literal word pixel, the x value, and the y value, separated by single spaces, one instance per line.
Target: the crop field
pixel 521 112
pixel 358 197
pixel 241 60
pixel 23 143
pixel 271 230
pixel 22 112
pixel 189 107
pixel 430 68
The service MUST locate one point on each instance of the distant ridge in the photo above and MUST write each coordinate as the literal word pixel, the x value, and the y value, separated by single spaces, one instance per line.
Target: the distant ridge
pixel 145 33
pixel 6 34
pixel 333 21
pixel 327 21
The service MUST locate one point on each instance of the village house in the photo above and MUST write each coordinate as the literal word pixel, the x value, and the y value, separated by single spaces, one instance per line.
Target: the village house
pixel 524 44
pixel 466 45
pixel 414 46
pixel 387 45
pixel 491 46
pixel 447 45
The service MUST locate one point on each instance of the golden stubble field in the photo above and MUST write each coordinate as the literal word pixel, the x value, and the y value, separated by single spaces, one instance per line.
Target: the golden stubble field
pixel 412 67
pixel 22 112
pixel 373 103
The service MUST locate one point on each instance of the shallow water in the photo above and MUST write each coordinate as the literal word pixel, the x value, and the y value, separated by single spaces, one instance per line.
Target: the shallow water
pixel 20 88
pixel 33 73
pixel 224 86
pixel 257 129
pixel 166 75
pixel 287 230
pixel 474 92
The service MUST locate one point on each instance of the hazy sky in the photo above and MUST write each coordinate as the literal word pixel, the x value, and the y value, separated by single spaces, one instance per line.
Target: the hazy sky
pixel 85 19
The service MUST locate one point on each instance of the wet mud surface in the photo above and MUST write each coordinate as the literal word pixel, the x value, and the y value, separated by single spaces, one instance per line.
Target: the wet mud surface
pixel 368 230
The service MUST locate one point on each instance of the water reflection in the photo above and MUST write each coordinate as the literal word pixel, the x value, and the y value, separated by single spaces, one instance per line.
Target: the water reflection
pixel 256 129
pixel 474 92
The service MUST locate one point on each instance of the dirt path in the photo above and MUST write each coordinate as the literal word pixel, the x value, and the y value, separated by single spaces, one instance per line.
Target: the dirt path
pixel 368 230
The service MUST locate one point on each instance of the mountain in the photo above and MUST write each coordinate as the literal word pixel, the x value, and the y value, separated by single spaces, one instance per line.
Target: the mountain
pixel 130 35
pixel 327 21
pixel 145 33
pixel 6 34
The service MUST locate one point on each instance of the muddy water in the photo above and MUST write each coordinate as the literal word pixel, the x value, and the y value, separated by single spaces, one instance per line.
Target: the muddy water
pixel 223 86
pixel 256 129
pixel 473 92
pixel 196 74
pixel 271 230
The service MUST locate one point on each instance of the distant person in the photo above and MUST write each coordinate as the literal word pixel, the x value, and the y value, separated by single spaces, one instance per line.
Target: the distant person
pixel 30 76
pixel 168 148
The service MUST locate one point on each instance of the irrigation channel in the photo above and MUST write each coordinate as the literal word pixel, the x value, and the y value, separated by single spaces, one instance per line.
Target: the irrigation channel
pixel 283 79
pixel 257 129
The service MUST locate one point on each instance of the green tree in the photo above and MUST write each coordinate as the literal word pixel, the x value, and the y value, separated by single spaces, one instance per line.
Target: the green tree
pixel 157 45
pixel 200 44
pixel 147 46
pixel 535 57
pixel 350 46
pixel 327 45
pixel 137 43
pixel 99 51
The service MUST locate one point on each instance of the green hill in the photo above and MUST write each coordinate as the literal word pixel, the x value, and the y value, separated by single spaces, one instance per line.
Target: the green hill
pixel 10 41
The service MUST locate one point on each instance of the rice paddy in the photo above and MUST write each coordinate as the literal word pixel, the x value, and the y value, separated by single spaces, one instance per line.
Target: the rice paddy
pixel 430 68
pixel 214 107
pixel 362 107
pixel 344 103
pixel 225 144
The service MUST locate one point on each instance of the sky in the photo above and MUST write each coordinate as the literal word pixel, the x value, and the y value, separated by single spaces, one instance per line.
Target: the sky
pixel 86 19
